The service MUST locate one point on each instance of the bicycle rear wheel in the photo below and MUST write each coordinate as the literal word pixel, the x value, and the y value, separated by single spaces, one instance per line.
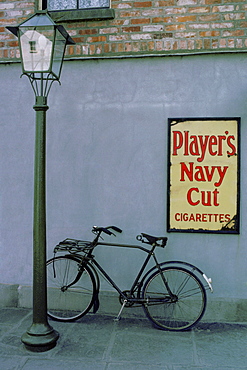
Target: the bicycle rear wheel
pixel 181 311
pixel 64 302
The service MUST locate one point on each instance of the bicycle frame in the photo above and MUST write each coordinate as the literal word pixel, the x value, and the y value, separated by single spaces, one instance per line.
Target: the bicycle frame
pixel 94 265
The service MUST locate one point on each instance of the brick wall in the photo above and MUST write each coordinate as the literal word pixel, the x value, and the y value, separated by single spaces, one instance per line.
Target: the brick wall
pixel 144 27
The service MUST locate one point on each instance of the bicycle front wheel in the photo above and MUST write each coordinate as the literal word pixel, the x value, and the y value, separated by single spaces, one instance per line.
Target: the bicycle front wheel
pixel 179 311
pixel 69 298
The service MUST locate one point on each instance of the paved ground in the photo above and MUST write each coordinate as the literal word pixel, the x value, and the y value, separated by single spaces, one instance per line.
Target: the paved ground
pixel 97 342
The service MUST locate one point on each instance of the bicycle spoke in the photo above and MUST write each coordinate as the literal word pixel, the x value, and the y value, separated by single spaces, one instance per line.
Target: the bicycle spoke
pixel 184 307
pixel 69 295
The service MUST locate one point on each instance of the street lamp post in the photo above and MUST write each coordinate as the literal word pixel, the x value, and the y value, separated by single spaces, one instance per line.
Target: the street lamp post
pixel 42 45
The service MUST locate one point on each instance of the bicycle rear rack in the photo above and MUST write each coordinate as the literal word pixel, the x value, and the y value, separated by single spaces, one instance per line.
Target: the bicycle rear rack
pixel 73 246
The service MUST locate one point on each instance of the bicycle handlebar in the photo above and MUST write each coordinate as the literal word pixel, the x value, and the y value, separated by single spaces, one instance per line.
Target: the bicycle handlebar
pixel 106 230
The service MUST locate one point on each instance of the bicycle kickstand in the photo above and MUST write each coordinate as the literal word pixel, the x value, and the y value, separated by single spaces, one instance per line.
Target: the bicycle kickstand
pixel 121 309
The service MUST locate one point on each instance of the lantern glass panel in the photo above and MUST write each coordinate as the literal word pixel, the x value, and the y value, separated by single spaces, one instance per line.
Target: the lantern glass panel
pixel 36 48
pixel 59 49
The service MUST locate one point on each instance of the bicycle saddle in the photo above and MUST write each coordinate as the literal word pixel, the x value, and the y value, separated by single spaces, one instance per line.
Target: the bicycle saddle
pixel 154 239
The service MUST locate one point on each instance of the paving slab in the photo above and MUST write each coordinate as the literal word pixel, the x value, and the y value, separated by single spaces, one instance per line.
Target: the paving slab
pixel 97 342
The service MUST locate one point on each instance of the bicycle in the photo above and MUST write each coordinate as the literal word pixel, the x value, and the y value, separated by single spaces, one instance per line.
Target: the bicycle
pixel 171 293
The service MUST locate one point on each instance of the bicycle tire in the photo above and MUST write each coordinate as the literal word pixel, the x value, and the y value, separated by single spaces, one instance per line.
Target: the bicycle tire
pixel 187 306
pixel 72 303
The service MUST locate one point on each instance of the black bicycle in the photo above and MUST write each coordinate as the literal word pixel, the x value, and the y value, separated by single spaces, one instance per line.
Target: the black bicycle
pixel 172 293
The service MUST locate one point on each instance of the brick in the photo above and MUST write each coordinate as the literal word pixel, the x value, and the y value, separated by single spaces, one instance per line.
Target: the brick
pixel 159 45
pixel 92 49
pixel 78 39
pixel 175 45
pixel 223 8
pixel 120 48
pixel 161 20
pixel 136 47
pixel 199 10
pixel 214 43
pixel 233 33
pixel 70 50
pixel 96 39
pixel 106 48
pixel 118 37
pixel 78 50
pixel 88 32
pixel 176 10
pixel 186 2
pixel 140 21
pixel 130 14
pixel 209 33
pixel 198 44
pixel 153 28
pixel 234 16
pixel 15 13
pixel 222 25
pixel 188 18
pixel 163 35
pixel 167 45
pixel 123 6
pixel 138 36
pixel 183 44
pixel 13 44
pixel 108 30
pixel 151 12
pixel 185 34
pixel 222 43
pixel 7 22
pixel 6 6
pixel 24 5
pixel 128 47
pixel 207 43
pixel 239 43
pixel 191 44
pixel 151 45
pixel 143 4
pixel 210 2
pixel 209 18
pixel 165 3
pixel 98 49
pixel 131 29
pixel 199 26
pixel 176 27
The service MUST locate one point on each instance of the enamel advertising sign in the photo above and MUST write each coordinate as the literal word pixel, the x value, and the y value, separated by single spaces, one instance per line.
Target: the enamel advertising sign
pixel 203 171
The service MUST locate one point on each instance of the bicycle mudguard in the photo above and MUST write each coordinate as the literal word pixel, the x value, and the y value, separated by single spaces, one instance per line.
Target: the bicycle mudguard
pixel 96 302
pixel 193 267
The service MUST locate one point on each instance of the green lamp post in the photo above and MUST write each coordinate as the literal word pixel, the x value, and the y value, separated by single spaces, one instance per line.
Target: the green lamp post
pixel 42 45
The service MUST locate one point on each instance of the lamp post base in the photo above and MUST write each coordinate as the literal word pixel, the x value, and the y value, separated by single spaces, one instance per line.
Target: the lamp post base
pixel 40 338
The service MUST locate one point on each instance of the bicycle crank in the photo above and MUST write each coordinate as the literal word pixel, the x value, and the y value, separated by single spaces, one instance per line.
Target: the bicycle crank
pixel 129 296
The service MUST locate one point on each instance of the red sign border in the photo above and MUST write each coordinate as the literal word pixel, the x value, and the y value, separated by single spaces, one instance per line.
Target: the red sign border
pixel 236 230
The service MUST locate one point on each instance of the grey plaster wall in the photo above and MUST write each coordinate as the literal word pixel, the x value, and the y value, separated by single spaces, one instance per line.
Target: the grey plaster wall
pixel 107 160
